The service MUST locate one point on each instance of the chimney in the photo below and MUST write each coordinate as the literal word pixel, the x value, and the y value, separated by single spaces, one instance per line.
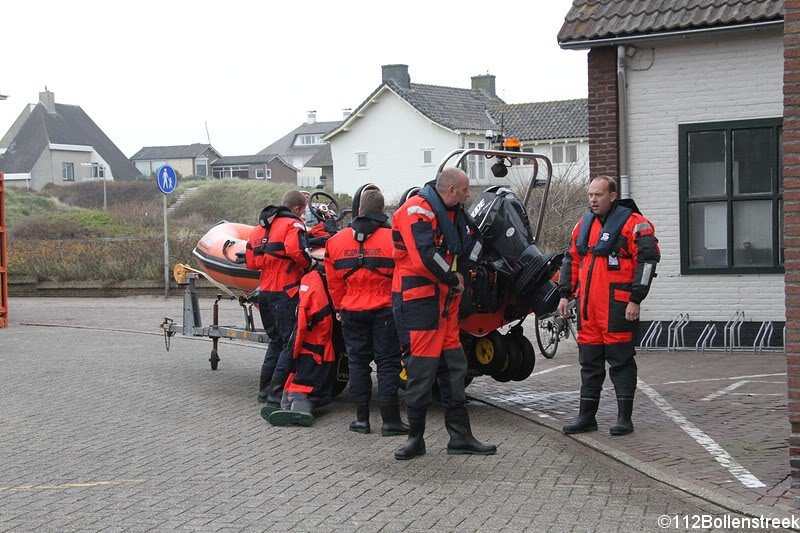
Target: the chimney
pixel 312 117
pixel 485 84
pixel 346 112
pixel 398 74
pixel 48 100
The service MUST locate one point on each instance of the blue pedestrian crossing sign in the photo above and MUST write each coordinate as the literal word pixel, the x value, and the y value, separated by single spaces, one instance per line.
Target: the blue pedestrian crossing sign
pixel 166 178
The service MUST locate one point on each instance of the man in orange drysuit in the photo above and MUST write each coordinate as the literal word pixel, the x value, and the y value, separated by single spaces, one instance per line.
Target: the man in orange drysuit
pixel 430 232
pixel 609 266
pixel 278 247
pixel 359 266
pixel 310 386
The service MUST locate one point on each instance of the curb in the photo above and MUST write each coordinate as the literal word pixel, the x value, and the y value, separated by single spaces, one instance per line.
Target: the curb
pixel 684 485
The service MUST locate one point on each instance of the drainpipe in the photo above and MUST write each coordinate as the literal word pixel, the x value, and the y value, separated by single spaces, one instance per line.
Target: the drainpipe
pixel 622 120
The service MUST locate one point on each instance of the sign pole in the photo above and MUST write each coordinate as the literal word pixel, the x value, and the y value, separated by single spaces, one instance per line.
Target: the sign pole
pixel 167 180
pixel 166 252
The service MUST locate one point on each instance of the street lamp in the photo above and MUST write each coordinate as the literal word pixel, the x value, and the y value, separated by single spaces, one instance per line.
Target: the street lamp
pixel 105 196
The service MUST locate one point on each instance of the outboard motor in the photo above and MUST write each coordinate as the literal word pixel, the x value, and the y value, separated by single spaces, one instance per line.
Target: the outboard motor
pixel 508 241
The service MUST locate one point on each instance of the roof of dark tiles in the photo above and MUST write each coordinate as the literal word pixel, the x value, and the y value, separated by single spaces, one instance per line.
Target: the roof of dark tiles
pixel 244 159
pixel 603 19
pixel 323 158
pixel 563 119
pixel 285 145
pixel 184 151
pixel 68 125
pixel 451 107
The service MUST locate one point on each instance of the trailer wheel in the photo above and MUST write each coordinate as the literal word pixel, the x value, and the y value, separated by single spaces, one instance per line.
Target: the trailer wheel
pixel 528 358
pixel 214 359
pixel 490 353
pixel 513 361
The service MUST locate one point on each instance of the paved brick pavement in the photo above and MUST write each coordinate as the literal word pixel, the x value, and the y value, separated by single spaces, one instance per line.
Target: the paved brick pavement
pixel 103 429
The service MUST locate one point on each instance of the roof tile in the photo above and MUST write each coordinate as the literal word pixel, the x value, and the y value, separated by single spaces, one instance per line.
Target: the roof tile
pixel 602 19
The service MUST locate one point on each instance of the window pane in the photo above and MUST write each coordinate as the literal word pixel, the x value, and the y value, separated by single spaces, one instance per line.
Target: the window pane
pixel 571 153
pixel 708 234
pixel 558 154
pixel 707 163
pixel 752 233
pixel 780 232
pixel 426 156
pixel 780 159
pixel 752 161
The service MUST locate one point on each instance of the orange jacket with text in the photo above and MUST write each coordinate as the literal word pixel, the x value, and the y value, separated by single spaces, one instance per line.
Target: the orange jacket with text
pixel 359 264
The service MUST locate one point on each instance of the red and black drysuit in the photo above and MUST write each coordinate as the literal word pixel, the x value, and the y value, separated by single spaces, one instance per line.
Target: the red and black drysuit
pixel 359 264
pixel 428 239
pixel 311 384
pixel 609 263
pixel 277 247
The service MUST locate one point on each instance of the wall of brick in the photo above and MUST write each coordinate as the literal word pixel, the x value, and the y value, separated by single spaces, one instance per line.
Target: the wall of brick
pixel 729 77
pixel 791 183
pixel 603 146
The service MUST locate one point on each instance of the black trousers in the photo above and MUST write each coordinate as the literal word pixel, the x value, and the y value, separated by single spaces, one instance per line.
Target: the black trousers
pixel 368 336
pixel 622 369
pixel 274 344
pixel 283 310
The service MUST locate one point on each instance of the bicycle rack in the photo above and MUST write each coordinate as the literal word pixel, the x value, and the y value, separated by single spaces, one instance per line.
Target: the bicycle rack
pixel 732 334
pixel 675 337
pixel 651 336
pixel 763 337
pixel 706 339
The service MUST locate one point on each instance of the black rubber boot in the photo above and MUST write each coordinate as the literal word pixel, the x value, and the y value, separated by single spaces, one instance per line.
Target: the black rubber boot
pixel 586 421
pixel 415 445
pixel 361 423
pixel 392 424
pixel 624 424
pixel 461 440
pixel 263 385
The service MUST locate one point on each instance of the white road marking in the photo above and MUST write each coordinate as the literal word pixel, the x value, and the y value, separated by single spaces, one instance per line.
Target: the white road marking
pixel 720 379
pixel 549 370
pixel 734 386
pixel 717 452
pixel 723 392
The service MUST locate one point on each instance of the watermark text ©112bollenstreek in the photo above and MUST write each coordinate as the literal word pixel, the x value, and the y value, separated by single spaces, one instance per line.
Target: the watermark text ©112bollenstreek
pixel 707 521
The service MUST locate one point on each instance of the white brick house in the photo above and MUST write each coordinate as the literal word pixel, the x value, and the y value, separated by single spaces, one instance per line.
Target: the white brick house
pixel 398 136
pixel 701 97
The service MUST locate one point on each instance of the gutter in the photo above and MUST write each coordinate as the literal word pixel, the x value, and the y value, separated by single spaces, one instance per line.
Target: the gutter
pixel 614 41
pixel 622 124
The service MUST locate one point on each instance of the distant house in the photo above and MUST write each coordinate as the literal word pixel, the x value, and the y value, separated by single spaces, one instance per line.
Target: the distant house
pixel 397 137
pixel 59 143
pixel 686 109
pixel 269 167
pixel 188 160
pixel 301 144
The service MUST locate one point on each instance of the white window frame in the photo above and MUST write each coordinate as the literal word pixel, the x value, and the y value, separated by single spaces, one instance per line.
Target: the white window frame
pixel 308 139
pixel 563 151
pixel 268 173
pixel 359 157
pixel 67 171
pixel 201 161
pixel 476 163
pixel 98 171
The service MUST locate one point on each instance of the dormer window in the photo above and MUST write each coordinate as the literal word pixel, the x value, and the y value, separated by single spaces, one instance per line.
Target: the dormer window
pixel 308 139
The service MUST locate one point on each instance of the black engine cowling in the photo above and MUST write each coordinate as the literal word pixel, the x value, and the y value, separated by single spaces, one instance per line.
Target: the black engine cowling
pixel 510 249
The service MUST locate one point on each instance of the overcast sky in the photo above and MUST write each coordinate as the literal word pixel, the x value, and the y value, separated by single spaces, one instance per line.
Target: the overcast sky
pixel 154 73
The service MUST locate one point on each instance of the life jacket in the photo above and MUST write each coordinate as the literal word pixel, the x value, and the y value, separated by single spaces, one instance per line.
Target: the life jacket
pixel 427 238
pixel 359 264
pixel 278 247
pixel 610 231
